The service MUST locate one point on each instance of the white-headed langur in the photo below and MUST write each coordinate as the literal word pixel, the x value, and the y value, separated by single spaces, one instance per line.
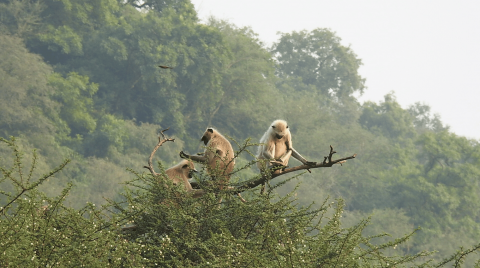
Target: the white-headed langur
pixel 276 148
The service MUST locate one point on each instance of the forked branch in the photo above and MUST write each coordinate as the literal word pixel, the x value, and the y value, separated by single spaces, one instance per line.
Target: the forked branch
pixel 161 140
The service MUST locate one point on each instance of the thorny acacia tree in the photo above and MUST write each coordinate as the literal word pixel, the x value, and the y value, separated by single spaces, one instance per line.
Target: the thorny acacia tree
pixel 41 231
pixel 267 231
pixel 174 230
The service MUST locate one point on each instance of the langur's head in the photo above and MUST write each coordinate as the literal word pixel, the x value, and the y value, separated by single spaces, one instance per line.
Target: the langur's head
pixel 187 168
pixel 208 135
pixel 279 129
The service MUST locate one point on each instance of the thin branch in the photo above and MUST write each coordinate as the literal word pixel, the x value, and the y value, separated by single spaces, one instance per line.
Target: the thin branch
pixel 161 140
pixel 134 83
pixel 26 188
pixel 13 200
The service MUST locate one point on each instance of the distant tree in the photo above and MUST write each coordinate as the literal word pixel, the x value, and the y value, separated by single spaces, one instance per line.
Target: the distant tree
pixel 388 118
pixel 163 7
pixel 318 59
pixel 20 18
pixel 247 83
pixel 75 93
pixel 424 120
pixel 120 48
pixel 442 183
pixel 66 32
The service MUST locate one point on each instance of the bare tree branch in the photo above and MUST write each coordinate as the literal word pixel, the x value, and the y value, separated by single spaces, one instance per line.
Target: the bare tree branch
pixel 327 162
pixel 161 140
pixel 276 172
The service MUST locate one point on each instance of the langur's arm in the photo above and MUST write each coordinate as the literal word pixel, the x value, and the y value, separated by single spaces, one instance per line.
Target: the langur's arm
pixel 282 160
pixel 197 158
pixel 286 156
pixel 300 158
pixel 269 152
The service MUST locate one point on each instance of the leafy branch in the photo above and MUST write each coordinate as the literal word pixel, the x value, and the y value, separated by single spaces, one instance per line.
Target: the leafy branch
pixel 21 184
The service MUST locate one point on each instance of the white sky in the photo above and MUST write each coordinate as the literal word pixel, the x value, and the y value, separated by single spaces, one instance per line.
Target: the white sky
pixel 424 50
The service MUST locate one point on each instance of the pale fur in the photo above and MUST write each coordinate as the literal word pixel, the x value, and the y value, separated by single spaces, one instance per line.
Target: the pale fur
pixel 219 153
pixel 218 156
pixel 180 173
pixel 274 148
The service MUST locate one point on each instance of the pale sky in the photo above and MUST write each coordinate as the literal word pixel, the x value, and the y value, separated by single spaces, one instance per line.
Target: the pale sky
pixel 425 51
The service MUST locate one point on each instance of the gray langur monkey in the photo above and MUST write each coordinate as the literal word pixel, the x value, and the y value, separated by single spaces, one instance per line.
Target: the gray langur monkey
pixel 276 147
pixel 219 157
pixel 180 173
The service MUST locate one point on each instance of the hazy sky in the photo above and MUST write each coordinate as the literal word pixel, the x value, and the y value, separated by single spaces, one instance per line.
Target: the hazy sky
pixel 424 51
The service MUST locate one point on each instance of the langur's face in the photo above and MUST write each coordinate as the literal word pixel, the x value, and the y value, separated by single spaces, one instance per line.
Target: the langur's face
pixel 280 129
pixel 190 173
pixel 207 135
pixel 189 169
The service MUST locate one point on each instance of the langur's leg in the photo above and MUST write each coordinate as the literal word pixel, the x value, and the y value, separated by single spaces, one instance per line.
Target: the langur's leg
pixel 300 158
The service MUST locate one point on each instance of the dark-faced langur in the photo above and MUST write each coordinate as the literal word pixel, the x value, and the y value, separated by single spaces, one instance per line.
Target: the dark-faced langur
pixel 180 173
pixel 219 157
pixel 276 147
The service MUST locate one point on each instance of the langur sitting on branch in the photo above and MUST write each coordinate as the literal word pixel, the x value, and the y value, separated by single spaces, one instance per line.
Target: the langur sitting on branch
pixel 180 173
pixel 218 156
pixel 276 147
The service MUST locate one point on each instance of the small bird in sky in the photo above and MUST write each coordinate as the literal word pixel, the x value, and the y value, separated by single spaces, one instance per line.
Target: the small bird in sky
pixel 165 67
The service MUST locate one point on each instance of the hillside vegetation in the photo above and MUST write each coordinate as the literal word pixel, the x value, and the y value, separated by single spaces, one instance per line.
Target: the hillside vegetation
pixel 79 80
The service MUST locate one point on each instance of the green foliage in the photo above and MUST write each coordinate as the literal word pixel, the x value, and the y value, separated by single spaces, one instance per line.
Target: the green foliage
pixel 111 134
pixel 73 22
pixel 267 231
pixel 449 168
pixel 20 17
pixel 125 64
pixel 25 105
pixel 107 99
pixel 37 230
pixel 15 175
pixel 167 7
pixel 63 39
pixel 171 229
pixel 388 118
pixel 247 83
pixel 75 94
pixel 423 120
pixel 318 59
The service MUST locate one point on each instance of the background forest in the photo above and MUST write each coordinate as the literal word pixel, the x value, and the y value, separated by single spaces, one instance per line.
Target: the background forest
pixel 79 79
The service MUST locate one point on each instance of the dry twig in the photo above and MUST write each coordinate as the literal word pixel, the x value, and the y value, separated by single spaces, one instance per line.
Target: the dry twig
pixel 161 140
